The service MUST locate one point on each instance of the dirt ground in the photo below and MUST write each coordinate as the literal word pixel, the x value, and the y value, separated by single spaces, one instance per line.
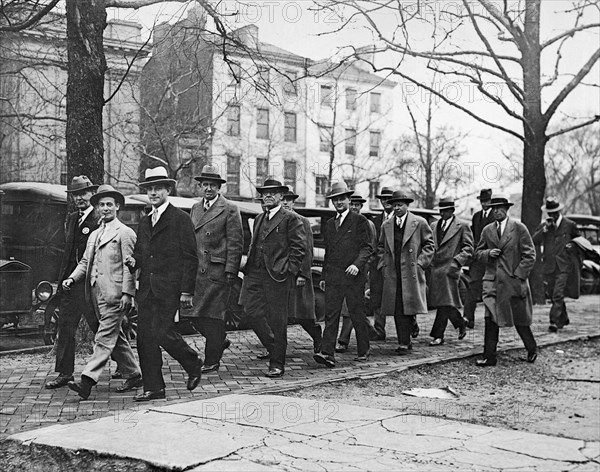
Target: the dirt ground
pixel 558 395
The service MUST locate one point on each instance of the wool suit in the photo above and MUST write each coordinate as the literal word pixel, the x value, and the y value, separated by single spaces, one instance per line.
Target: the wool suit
pixel 350 244
pixel 404 256
pixel 453 249
pixel 219 240
pixel 506 293
pixel 106 280
pixel 167 258
pixel 554 242
pixel 476 268
pixel 275 258
pixel 72 302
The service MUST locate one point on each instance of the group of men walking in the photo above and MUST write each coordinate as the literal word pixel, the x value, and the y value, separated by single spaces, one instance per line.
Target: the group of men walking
pixel 192 262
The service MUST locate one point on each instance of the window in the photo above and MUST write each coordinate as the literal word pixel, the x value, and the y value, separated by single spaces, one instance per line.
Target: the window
pixel 327 96
pixel 262 169
pixel 351 99
pixel 373 189
pixel 321 185
pixel 290 127
pixel 233 175
pixel 289 173
pixel 263 76
pixel 235 73
pixel 289 83
pixel 262 123
pixel 375 139
pixel 351 142
pixel 325 138
pixel 375 102
pixel 233 120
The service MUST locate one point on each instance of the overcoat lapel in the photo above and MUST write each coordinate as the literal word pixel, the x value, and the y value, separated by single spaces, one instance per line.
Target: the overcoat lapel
pixel 215 210
pixel 410 226
pixel 506 235
pixel 338 234
pixel 389 234
pixel 452 230
pixel 163 221
pixel 275 221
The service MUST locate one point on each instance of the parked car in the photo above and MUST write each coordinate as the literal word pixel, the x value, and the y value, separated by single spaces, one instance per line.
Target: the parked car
pixel 589 227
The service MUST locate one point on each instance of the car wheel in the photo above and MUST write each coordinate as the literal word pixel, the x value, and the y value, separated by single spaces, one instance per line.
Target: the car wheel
pixel 130 324
pixel 319 304
pixel 51 316
pixel 590 282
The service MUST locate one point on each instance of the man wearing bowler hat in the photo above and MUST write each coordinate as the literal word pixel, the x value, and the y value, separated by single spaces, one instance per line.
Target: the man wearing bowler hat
pixel 274 266
pixel 220 241
pixel 348 248
pixel 110 288
pixel 166 255
pixel 481 219
pixel 302 300
pixel 554 234
pixel 78 227
pixel 405 250
pixel 507 250
pixel 453 249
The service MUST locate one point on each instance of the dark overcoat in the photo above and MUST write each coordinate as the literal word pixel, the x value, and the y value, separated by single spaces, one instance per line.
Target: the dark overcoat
pixel 166 256
pixel 76 240
pixel 506 292
pixel 451 253
pixel 220 241
pixel 476 268
pixel 302 301
pixel 416 256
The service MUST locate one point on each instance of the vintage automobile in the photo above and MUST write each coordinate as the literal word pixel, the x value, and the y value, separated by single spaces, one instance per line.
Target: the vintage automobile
pixel 589 227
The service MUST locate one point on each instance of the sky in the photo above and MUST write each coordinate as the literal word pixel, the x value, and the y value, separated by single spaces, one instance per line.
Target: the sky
pixel 296 26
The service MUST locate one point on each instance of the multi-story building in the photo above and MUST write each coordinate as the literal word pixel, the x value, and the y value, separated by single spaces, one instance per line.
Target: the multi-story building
pixel 33 82
pixel 254 109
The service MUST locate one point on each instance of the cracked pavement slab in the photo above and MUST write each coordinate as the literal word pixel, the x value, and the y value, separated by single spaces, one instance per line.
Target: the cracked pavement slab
pixel 270 432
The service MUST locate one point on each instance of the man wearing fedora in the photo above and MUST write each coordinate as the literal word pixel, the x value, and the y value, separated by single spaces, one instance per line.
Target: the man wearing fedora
pixel 274 265
pixel 507 251
pixel 166 255
pixel 375 277
pixel 302 300
pixel 348 248
pixel 481 219
pixel 220 241
pixel 110 288
pixel 405 250
pixel 453 249
pixel 356 204
pixel 78 227
pixel 553 235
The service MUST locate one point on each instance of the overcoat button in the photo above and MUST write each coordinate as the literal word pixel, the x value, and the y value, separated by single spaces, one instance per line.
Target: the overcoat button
pixel 410 250
pixel 203 270
pixel 208 233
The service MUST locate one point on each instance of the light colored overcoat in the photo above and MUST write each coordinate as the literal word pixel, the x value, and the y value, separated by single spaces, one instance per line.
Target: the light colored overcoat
pixel 506 292
pixel 416 255
pixel 454 251
pixel 220 241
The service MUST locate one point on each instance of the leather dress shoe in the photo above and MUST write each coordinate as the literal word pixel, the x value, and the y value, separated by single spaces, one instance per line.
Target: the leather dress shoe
pixel 83 388
pixel 274 373
pixel 193 380
pixel 553 328
pixel 117 375
pixel 485 362
pixel 462 332
pixel 531 357
pixel 437 342
pixel 226 345
pixel 317 341
pixel 323 359
pixel 61 381
pixel 470 324
pixel 415 331
pixel 402 350
pixel 341 348
pixel 264 355
pixel 130 384
pixel 150 395
pixel 206 368
pixel 364 357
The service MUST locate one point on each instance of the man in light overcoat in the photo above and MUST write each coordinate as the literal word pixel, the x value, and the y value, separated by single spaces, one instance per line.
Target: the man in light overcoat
pixel 453 249
pixel 507 250
pixel 109 288
pixel 220 240
pixel 405 251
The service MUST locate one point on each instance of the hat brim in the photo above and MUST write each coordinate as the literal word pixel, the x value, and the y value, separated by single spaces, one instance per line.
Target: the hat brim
pixel 509 204
pixel 281 188
pixel 358 200
pixel 118 196
pixel 211 179
pixel 384 195
pixel 294 196
pixel 407 200
pixel 553 210
pixel 91 187
pixel 439 208
pixel 348 192
pixel 170 182
pixel 484 199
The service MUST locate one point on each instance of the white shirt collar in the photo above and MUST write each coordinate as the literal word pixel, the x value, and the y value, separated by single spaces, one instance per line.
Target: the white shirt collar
pixel 86 213
pixel 210 203
pixel 502 225
pixel 558 220
pixel 160 210
pixel 343 215
pixel 273 212
pixel 400 220
pixel 446 224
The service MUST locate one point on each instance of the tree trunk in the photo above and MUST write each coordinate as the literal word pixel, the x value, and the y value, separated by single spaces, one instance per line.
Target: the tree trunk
pixel 86 21
pixel 534 131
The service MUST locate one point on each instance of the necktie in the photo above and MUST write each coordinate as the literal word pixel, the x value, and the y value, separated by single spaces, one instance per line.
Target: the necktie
pixel 81 219
pixel 499 229
pixel 154 218
pixel 399 222
pixel 206 207
pixel 337 221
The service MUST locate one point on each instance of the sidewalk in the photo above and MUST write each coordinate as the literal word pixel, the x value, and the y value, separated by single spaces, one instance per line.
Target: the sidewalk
pixel 25 404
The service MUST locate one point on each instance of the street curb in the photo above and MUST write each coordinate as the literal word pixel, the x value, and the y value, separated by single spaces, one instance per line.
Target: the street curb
pixel 374 373
pixel 27 350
